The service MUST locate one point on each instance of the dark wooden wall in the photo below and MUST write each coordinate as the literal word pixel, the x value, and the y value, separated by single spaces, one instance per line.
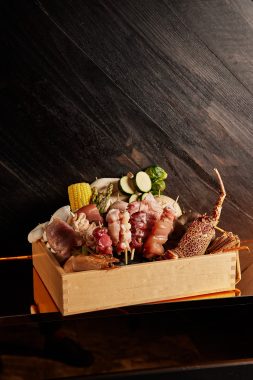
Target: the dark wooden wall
pixel 97 88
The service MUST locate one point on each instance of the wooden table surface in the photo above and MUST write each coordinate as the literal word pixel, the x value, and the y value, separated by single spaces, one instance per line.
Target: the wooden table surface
pixel 185 340
pixel 93 88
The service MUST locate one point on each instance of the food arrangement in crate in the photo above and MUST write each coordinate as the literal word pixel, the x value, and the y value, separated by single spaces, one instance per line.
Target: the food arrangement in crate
pixel 122 242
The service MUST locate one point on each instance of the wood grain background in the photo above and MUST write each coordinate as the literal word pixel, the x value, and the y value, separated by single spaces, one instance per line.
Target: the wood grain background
pixel 97 88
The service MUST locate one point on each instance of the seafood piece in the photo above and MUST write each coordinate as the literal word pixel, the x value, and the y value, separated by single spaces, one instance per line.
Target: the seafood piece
pixel 92 262
pixel 201 231
pixel 91 212
pixel 159 235
pixel 62 238
pixel 180 227
pixel 226 241
pixel 103 243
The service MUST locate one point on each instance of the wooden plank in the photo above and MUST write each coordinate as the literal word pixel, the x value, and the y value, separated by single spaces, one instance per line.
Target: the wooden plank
pixel 191 92
pixel 229 33
pixel 92 125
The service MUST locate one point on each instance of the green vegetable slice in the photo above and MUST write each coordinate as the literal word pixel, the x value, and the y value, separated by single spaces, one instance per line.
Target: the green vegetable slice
pixel 127 185
pixel 143 182
pixel 133 198
pixel 144 195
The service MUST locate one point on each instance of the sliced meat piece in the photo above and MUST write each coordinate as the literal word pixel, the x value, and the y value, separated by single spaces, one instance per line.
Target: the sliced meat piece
pixel 153 246
pixel 62 238
pixel 103 241
pixel 91 212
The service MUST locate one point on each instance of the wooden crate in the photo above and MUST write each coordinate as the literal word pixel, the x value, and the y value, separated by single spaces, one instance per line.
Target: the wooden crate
pixel 86 291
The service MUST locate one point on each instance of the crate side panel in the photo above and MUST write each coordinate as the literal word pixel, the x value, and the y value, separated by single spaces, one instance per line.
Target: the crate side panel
pixel 143 283
pixel 49 272
pixel 42 298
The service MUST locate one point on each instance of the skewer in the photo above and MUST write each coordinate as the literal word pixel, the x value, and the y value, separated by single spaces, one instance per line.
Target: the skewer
pixel 176 200
pixel 12 258
pixel 132 253
pixel 126 256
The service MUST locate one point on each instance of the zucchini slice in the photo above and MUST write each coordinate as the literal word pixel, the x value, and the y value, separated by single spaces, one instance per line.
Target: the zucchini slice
pixel 127 185
pixel 143 182
pixel 133 198
pixel 144 195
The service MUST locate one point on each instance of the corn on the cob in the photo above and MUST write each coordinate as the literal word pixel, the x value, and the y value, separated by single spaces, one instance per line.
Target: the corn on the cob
pixel 79 195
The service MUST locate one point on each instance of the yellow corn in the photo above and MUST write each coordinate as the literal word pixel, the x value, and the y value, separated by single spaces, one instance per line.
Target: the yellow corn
pixel 79 195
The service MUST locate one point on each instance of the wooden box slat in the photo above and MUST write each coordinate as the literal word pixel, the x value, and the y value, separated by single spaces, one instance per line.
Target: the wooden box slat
pixel 135 284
